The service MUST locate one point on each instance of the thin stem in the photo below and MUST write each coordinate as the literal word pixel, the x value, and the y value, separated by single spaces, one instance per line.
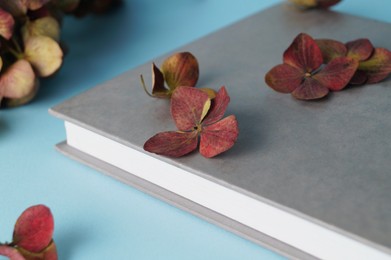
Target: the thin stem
pixel 144 86
pixel 17 54
pixel 16 44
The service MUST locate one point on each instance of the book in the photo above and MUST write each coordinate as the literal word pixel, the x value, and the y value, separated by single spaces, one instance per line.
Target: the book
pixel 306 179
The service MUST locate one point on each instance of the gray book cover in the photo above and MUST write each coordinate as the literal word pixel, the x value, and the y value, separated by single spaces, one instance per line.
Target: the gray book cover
pixel 327 160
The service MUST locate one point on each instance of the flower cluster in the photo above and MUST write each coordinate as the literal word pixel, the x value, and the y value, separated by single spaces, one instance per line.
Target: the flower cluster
pixel 30 43
pixel 197 112
pixel 312 68
pixel 32 238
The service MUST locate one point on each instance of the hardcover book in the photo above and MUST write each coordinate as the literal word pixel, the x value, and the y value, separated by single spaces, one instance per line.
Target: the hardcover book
pixel 307 179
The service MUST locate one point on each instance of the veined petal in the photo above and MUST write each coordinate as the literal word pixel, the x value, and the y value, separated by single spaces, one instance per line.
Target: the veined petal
pixel 218 107
pixel 219 137
pixel 174 144
pixel 284 78
pixel 7 23
pixel 337 73
pixel 360 49
pixel 331 49
pixel 378 66
pixel 45 26
pixel 310 89
pixel 188 107
pixel 180 69
pixel 34 229
pixel 304 53
pixel 18 80
pixel 44 53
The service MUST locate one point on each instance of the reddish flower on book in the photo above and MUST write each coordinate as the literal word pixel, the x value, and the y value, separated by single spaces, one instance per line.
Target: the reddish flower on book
pixel 374 63
pixel 306 4
pixel 196 116
pixel 32 238
pixel 180 69
pixel 303 75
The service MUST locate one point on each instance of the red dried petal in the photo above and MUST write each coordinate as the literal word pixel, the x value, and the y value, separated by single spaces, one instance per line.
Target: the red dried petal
pixel 218 107
pixel 34 228
pixel 11 253
pixel 360 49
pixel 187 107
pixel 310 89
pixel 378 66
pixel 284 78
pixel 219 137
pixel 158 88
pixel 174 144
pixel 337 74
pixel 331 49
pixel 7 23
pixel 304 53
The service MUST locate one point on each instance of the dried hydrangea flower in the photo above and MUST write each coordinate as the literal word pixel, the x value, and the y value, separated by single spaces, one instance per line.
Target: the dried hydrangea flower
pixel 374 63
pixel 303 75
pixel 196 117
pixel 32 238
pixel 180 69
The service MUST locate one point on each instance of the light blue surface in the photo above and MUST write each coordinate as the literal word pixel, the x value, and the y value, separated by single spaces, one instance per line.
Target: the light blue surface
pixel 97 217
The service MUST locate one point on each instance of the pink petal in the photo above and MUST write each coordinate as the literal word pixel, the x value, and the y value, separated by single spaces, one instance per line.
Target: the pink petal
pixel 284 78
pixel 187 104
pixel 11 253
pixel 310 89
pixel 219 137
pixel 304 53
pixel 34 228
pixel 174 144
pixel 18 81
pixel 337 74
pixel 6 24
pixel 331 49
pixel 360 49
pixel 218 107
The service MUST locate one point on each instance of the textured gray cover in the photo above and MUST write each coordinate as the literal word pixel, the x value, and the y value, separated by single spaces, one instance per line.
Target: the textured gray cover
pixel 328 161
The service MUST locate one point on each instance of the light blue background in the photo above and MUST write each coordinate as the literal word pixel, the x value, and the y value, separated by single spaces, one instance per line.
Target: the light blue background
pixel 97 217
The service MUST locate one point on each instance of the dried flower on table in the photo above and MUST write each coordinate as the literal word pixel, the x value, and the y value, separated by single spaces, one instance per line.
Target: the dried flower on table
pixel 32 238
pixel 196 117
pixel 374 63
pixel 180 69
pixel 303 75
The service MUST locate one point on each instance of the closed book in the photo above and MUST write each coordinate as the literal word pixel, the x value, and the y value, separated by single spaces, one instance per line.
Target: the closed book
pixel 309 179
